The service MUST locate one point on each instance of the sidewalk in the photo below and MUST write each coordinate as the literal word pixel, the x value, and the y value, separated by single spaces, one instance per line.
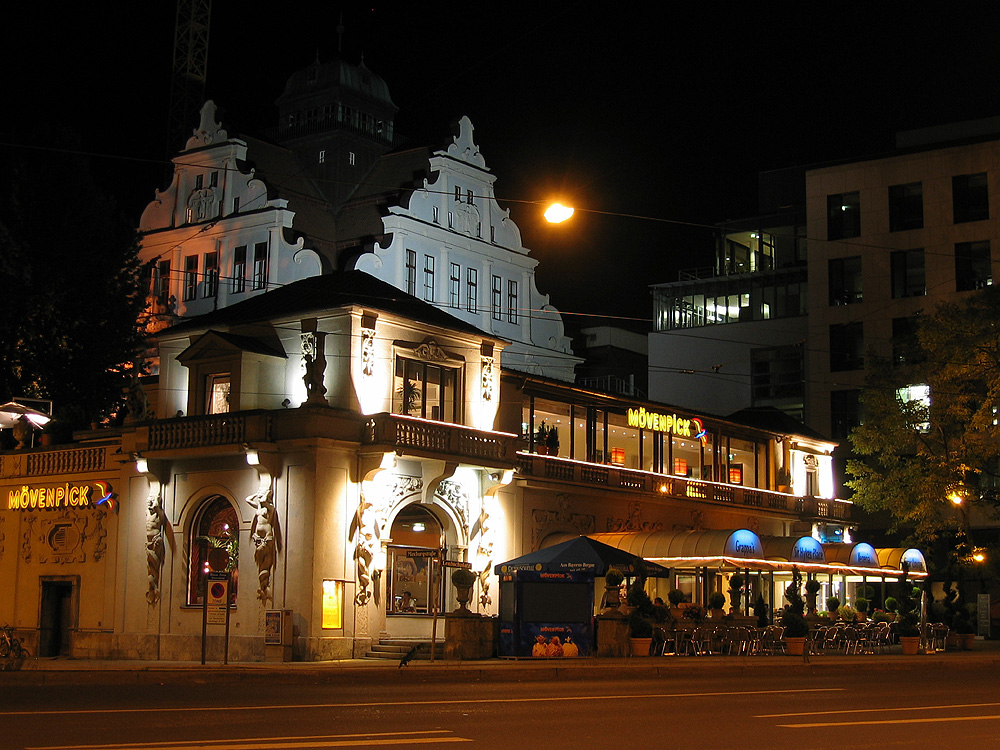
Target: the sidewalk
pixel 985 655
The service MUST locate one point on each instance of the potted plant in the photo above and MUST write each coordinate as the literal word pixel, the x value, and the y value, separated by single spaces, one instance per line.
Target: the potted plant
pixel 736 582
pixel 964 627
pixel 640 626
pixel 832 606
pixel 861 605
pixel 676 599
pixel 716 602
pixel 542 439
pixel 793 618
pixel 891 605
pixel 552 441
pixel 612 589
pixel 463 580
pixel 784 480
pixel 847 613
pixel 812 590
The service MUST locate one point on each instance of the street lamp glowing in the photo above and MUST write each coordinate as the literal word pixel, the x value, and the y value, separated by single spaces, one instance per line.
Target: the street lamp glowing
pixel 955 498
pixel 557 213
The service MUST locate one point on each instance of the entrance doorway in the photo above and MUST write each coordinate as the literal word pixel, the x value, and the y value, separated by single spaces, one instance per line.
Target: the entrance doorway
pixel 56 618
pixel 416 535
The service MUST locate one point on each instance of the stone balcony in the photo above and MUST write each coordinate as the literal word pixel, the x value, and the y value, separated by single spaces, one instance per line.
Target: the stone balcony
pixel 669 486
pixel 426 439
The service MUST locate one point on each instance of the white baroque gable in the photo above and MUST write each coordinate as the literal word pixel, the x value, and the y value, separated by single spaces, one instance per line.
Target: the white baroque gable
pixel 450 243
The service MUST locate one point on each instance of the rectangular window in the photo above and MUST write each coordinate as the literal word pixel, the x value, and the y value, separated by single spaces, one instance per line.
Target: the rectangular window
pixel 425 389
pixel 213 180
pixel 199 181
pixel 845 280
pixel 190 277
pixel 468 195
pixel 435 214
pixel 351 158
pixel 472 286
pixel 411 272
pixel 239 269
pixel 322 157
pixel 906 207
pixel 776 373
pixel 905 346
pixel 973 266
pixel 458 194
pixel 512 301
pixel 260 265
pixel 915 400
pixel 843 216
pixel 163 281
pixel 847 347
pixel 428 278
pixel 236 205
pixel 970 197
pixel 907 273
pixel 497 298
pixel 217 394
pixel 451 220
pixel 454 285
pixel 211 287
pixel 845 413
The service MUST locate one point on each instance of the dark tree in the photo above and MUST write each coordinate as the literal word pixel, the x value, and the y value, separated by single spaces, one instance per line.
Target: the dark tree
pixel 69 274
pixel 931 423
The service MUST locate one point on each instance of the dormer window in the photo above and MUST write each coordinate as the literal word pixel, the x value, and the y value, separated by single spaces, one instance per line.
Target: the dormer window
pixel 217 393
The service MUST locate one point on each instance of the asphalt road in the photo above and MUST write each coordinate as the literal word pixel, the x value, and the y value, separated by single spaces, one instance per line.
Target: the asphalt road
pixel 905 705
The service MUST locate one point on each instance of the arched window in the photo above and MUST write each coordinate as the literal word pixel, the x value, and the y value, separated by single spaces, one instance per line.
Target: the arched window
pixel 416 533
pixel 216 527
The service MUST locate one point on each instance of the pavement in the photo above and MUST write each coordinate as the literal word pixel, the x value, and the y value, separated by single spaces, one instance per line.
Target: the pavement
pixel 985 655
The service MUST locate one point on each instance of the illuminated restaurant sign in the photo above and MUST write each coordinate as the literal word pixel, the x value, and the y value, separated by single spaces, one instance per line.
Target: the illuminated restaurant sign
pixel 743 543
pixel 863 554
pixel 807 549
pixel 66 495
pixel 670 423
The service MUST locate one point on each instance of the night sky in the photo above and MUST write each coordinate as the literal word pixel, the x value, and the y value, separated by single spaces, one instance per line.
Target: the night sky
pixel 667 113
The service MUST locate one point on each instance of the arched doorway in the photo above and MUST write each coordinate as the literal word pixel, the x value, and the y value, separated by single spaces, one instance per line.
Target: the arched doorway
pixel 416 535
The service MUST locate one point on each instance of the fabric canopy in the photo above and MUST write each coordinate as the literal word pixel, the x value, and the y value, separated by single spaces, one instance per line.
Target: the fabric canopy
pixel 582 553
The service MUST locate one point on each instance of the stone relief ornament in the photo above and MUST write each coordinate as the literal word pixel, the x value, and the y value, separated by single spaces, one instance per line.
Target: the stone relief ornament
pixel 487 369
pixel 202 205
pixel 429 350
pixel 265 540
pixel 484 551
pixel 455 497
pixel 62 538
pixel 546 522
pixel 26 537
pixel 314 362
pixel 634 521
pixel 367 352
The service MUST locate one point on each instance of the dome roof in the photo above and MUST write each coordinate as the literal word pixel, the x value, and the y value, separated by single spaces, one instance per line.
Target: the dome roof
pixel 337 73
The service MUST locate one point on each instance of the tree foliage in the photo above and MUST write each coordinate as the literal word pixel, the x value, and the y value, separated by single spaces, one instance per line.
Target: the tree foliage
pixel 916 454
pixel 69 271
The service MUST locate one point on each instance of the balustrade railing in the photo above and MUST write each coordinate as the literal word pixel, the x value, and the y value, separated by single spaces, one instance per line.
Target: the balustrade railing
pixel 421 436
pixel 567 470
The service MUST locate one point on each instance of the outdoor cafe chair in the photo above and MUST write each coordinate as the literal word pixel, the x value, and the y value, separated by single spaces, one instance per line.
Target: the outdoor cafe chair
pixel 940 641
pixel 737 641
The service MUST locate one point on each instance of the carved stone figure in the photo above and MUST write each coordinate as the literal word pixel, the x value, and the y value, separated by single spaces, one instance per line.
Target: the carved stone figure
pixel 314 361
pixel 156 521
pixel 262 533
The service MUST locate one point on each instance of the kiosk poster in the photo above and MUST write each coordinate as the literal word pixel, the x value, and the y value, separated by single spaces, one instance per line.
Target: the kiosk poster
pixel 555 640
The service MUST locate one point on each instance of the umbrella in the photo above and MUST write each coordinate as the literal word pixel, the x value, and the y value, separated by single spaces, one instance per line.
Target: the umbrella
pixel 12 412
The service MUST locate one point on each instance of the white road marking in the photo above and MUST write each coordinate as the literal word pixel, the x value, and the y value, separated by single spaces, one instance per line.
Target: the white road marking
pixel 366 739
pixel 938 720
pixel 380 704
pixel 876 710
